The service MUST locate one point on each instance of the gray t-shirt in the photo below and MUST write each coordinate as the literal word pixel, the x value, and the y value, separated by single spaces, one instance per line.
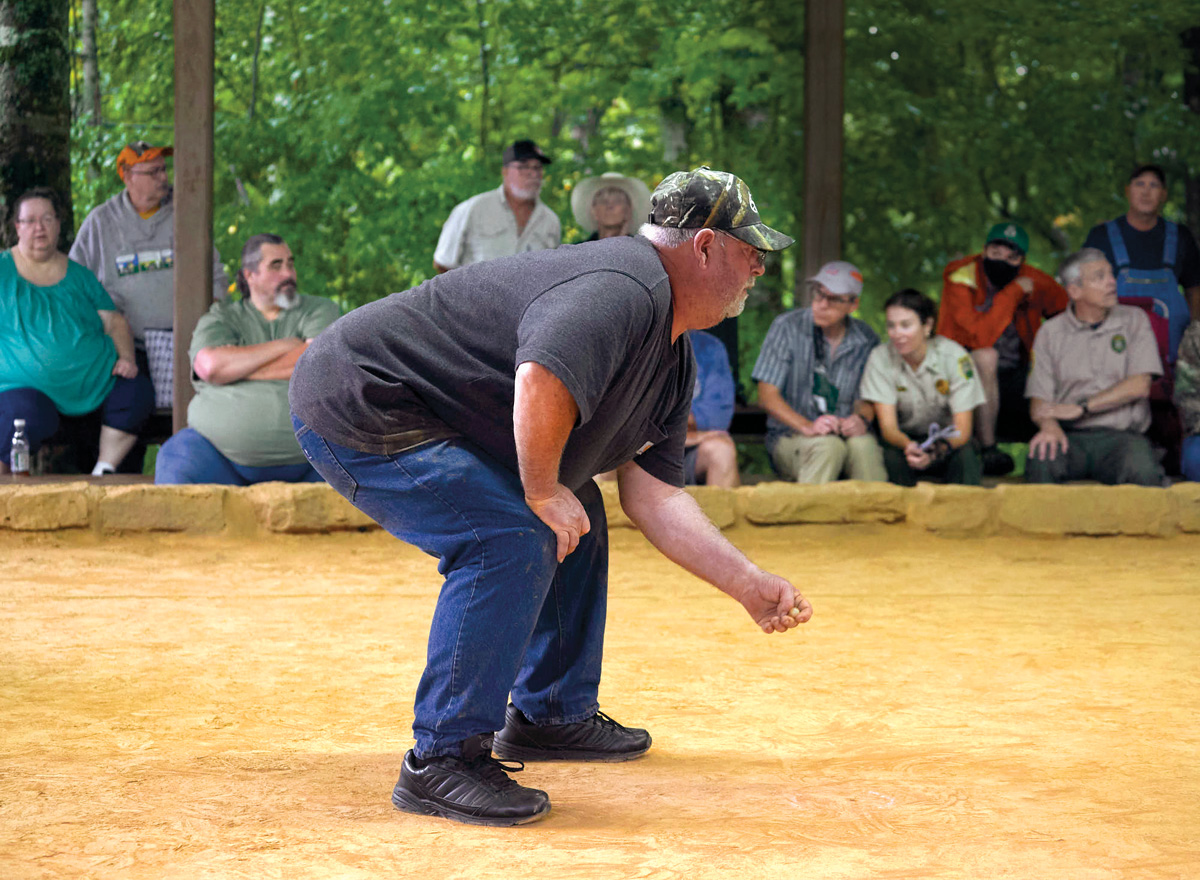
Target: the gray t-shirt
pixel 441 359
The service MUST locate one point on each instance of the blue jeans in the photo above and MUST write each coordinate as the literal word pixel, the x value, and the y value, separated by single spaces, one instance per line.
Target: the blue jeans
pixel 127 407
pixel 188 457
pixel 1190 460
pixel 509 618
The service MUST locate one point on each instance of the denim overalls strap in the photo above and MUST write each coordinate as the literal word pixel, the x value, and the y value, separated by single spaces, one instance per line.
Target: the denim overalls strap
pixel 1117 243
pixel 1159 285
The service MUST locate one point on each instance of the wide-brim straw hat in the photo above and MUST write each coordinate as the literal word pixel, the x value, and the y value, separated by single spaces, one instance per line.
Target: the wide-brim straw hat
pixel 586 189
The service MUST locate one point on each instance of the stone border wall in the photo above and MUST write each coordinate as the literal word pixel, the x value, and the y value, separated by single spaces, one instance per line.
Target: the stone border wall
pixel 304 508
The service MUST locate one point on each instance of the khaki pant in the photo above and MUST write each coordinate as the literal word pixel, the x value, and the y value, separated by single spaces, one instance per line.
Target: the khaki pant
pixel 827 458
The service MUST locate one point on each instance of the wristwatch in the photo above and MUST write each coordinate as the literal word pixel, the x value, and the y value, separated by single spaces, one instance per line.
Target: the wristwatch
pixel 1082 404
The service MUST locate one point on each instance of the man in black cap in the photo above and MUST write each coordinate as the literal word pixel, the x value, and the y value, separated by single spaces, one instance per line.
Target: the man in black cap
pixel 505 221
pixel 468 415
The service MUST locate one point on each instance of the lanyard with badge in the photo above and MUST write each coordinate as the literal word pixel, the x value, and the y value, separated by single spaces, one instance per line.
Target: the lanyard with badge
pixel 825 393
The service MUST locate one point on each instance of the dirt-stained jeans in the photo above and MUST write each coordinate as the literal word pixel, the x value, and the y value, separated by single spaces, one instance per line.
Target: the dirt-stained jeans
pixel 509 617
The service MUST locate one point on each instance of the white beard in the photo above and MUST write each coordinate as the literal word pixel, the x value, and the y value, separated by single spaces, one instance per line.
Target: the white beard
pixel 288 299
pixel 525 193
pixel 737 307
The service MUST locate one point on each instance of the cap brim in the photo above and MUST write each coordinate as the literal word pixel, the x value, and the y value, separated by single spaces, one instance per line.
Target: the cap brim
pixel 1012 244
pixel 762 237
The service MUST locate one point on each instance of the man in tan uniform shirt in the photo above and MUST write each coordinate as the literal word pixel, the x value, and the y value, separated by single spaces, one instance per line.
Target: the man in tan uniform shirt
pixel 1089 386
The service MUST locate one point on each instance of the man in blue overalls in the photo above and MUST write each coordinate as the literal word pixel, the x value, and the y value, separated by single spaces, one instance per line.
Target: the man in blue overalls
pixel 1151 256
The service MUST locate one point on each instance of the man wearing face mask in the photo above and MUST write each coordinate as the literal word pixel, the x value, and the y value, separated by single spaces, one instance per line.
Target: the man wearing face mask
pixel 993 304
pixel 239 427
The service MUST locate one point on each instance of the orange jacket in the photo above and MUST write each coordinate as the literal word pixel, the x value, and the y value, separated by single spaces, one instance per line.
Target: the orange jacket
pixel 965 288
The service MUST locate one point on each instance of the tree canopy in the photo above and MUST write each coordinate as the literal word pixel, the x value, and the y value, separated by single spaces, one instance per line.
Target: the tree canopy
pixel 352 129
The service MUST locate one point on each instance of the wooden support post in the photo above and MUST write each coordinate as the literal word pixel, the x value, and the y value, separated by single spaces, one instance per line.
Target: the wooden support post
pixel 194 26
pixel 824 73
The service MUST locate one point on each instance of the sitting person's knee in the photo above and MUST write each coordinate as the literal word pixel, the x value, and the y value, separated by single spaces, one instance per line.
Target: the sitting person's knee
pixel 716 461
pixel 1140 465
pixel 130 404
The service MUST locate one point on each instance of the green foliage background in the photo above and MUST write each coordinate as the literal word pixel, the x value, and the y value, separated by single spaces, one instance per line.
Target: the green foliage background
pixel 362 124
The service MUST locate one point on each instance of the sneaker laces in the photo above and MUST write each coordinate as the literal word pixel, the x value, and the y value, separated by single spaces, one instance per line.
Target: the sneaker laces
pixel 607 721
pixel 495 771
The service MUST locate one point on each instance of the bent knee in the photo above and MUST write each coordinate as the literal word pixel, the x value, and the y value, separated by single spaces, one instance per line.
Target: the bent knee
pixel 718 444
pixel 826 446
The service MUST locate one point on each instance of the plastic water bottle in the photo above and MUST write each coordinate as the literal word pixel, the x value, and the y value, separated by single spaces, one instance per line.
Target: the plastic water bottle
pixel 18 458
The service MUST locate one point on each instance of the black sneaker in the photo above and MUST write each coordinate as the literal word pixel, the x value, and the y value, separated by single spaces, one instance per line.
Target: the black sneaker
pixel 473 788
pixel 599 738
pixel 996 462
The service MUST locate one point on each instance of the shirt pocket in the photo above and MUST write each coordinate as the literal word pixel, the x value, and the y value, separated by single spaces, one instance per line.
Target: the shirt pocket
pixel 491 228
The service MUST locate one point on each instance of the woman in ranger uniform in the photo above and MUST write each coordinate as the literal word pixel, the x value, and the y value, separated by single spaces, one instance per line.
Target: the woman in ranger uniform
pixel 925 390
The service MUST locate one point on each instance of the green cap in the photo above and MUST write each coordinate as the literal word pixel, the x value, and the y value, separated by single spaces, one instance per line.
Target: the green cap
pixel 1009 233
pixel 707 199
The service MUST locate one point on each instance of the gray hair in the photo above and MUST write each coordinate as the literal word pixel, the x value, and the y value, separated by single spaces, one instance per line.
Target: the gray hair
pixel 666 236
pixel 252 256
pixel 1071 270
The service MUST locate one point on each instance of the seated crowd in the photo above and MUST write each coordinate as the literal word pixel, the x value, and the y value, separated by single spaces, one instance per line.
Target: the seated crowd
pixel 1008 355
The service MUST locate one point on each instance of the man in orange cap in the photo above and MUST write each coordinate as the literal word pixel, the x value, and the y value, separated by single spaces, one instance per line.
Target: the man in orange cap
pixel 129 244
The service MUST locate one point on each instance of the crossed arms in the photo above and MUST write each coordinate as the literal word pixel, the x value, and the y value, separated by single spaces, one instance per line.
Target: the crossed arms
pixel 223 364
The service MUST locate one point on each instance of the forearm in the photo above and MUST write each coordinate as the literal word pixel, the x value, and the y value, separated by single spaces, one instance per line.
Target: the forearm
pixel 1126 391
pixel 544 412
pixel 673 522
pixel 1041 414
pixel 223 364
pixel 117 329
pixel 889 426
pixel 964 422
pixel 777 408
pixel 865 410
pixel 959 320
pixel 281 367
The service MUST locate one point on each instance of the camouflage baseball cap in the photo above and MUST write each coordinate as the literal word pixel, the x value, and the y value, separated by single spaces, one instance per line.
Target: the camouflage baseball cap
pixel 707 199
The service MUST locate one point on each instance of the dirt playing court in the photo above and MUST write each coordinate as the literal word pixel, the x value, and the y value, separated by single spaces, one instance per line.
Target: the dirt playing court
pixel 212 707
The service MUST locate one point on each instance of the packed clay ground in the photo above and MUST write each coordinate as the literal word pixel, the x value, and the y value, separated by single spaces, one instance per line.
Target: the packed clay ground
pixel 206 707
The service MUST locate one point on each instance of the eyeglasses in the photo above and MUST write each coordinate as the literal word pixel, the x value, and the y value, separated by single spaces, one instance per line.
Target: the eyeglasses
pixel 531 166
pixel 760 256
pixel 821 294
pixel 44 220
pixel 149 172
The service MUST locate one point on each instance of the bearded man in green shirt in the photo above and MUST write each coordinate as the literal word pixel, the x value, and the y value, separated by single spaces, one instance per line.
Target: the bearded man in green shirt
pixel 239 426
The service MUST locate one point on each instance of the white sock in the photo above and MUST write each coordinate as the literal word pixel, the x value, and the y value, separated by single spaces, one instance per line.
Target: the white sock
pixel 102 468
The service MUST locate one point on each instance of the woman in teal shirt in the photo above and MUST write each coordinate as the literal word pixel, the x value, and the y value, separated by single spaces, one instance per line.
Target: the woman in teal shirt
pixel 64 349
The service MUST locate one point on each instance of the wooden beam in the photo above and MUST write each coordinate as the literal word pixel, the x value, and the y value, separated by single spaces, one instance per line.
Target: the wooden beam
pixel 824 75
pixel 194 26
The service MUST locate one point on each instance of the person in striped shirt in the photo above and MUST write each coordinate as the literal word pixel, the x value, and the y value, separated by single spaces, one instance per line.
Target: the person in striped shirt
pixel 808 373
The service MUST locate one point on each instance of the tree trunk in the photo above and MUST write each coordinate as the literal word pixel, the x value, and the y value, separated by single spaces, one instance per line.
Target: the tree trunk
pixel 262 14
pixel 1191 97
pixel 35 102
pixel 485 98
pixel 91 65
